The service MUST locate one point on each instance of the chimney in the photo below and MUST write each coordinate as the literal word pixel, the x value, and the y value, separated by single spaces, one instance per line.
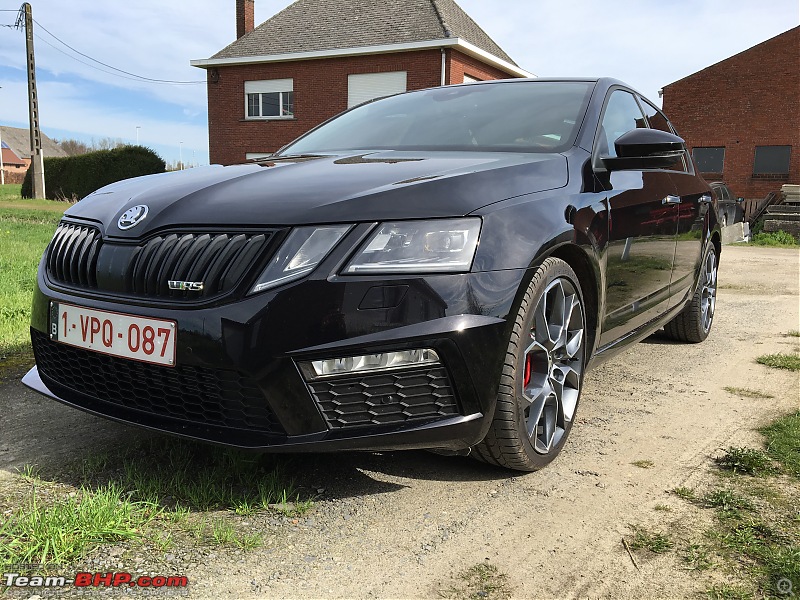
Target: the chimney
pixel 245 17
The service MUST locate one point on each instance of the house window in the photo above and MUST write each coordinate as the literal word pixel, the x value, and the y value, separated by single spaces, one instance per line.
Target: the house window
pixel 772 160
pixel 269 99
pixel 470 79
pixel 709 160
pixel 367 86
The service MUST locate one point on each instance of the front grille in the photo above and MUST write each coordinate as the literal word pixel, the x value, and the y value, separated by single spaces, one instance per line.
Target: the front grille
pixel 78 257
pixel 205 396
pixel 73 255
pixel 385 399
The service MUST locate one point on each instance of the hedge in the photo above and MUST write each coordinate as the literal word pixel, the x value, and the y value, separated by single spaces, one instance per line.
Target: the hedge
pixel 73 177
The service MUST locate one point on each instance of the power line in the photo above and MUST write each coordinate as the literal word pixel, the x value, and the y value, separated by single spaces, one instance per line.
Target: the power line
pixel 119 72
pixel 83 62
pixel 139 77
pixel 130 76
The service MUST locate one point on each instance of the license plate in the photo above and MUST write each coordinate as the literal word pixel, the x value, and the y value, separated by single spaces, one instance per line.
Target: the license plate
pixel 117 334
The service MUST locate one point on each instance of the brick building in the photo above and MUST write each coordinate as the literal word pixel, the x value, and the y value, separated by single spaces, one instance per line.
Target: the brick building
pixel 15 146
pixel 741 116
pixel 317 58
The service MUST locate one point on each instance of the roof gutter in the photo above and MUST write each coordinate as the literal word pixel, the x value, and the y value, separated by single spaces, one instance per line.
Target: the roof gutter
pixel 455 43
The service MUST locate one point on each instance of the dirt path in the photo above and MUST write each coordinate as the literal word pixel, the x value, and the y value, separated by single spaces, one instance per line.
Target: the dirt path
pixel 400 525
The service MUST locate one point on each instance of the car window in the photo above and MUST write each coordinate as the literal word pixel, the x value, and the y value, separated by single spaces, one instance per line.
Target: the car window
pixel 726 194
pixel 622 114
pixel 656 118
pixel 523 116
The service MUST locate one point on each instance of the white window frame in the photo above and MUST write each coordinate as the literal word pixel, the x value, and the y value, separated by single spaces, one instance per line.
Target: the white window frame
pixel 282 87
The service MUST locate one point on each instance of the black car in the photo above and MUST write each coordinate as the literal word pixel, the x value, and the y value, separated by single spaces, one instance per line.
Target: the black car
pixel 436 269
pixel 729 207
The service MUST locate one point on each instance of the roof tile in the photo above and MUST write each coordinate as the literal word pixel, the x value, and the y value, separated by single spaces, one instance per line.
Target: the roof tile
pixel 317 25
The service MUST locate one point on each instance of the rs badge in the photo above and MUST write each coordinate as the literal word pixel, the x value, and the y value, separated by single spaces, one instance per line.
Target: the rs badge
pixel 191 286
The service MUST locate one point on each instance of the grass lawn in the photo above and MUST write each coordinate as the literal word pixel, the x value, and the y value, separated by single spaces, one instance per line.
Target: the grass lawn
pixel 26 227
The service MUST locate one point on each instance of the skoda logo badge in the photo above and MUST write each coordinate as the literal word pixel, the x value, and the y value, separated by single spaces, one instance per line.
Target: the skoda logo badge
pixel 132 217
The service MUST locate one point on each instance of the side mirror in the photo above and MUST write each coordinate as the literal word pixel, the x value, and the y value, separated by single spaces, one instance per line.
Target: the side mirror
pixel 645 149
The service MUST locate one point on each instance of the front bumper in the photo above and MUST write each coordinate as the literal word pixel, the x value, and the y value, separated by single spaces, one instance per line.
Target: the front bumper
pixel 237 381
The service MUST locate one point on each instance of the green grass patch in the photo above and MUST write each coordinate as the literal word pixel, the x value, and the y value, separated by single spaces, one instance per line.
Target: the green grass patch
pixel 64 531
pixel 790 362
pixel 482 581
pixel 24 235
pixel 644 539
pixel 754 537
pixel 727 501
pixel 747 393
pixel 685 493
pixel 776 239
pixel 793 333
pixel 643 464
pixel 783 442
pixel 725 591
pixel 745 460
pixel 10 197
pixel 184 476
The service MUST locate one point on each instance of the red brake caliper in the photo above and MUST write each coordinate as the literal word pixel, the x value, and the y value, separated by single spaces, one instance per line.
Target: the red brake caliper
pixel 527 379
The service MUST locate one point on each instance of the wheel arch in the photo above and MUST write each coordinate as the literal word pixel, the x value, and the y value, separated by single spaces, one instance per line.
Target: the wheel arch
pixel 589 280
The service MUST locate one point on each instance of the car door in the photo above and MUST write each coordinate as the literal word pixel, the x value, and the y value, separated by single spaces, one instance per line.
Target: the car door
pixel 695 200
pixel 642 227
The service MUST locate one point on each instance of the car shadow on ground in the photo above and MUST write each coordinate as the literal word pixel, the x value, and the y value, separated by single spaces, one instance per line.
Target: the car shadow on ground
pixel 70 447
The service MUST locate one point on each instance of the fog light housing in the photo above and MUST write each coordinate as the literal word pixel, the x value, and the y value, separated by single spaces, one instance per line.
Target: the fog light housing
pixel 368 363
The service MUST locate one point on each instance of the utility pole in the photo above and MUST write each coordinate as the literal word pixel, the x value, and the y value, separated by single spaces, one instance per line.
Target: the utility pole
pixel 37 158
pixel 2 168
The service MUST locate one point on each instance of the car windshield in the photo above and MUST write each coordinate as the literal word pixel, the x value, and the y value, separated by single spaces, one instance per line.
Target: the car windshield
pixel 525 116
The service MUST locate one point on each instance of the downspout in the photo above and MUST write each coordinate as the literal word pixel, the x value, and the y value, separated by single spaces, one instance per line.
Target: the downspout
pixel 444 67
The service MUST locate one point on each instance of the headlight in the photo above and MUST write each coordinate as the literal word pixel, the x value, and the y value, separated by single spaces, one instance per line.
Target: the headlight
pixel 445 245
pixel 299 254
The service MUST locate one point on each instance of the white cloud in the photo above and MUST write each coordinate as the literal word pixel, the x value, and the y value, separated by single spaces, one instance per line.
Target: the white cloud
pixel 647 43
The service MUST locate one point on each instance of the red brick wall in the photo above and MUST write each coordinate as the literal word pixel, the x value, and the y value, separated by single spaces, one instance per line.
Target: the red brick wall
pixel 320 92
pixel 460 64
pixel 751 99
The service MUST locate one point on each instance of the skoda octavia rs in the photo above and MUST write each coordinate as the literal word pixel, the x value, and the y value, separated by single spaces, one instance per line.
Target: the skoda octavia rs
pixel 437 269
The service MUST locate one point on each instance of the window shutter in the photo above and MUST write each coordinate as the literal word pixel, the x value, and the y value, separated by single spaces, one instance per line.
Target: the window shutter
pixel 367 86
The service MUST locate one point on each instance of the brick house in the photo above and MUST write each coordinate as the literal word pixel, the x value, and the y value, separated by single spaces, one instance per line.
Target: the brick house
pixel 15 145
pixel 317 58
pixel 741 117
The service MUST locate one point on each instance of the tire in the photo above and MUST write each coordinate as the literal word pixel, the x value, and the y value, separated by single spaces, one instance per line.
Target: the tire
pixel 693 324
pixel 542 377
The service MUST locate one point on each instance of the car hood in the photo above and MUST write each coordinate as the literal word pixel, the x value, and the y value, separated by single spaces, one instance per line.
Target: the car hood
pixel 367 186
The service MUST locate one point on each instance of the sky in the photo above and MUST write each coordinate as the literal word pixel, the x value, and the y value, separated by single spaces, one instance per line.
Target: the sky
pixel 646 43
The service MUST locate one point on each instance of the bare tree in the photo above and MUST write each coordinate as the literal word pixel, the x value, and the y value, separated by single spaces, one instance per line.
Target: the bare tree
pixel 74 147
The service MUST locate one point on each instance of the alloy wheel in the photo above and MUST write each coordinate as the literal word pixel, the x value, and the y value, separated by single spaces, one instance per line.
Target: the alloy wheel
pixel 708 292
pixel 553 365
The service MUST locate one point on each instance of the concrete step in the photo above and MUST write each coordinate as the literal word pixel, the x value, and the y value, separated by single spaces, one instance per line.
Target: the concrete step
pixel 782 208
pixel 773 225
pixel 783 216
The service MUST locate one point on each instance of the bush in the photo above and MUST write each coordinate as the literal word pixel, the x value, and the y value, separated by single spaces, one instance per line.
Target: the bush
pixel 73 177
pixel 775 238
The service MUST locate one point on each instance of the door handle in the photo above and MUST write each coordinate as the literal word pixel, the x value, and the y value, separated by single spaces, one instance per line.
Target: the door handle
pixel 671 200
pixel 705 199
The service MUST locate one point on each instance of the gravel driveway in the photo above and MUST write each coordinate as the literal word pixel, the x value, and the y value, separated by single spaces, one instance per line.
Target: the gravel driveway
pixel 401 525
